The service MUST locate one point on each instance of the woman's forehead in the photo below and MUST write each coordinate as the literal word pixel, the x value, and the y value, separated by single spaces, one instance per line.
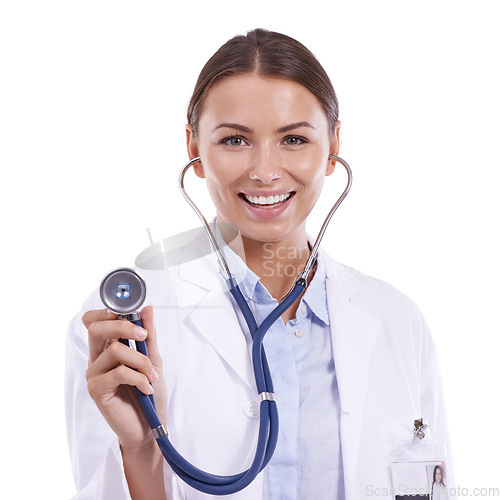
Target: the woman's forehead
pixel 256 98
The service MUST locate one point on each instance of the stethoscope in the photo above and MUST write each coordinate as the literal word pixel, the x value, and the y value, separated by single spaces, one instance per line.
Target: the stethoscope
pixel 123 291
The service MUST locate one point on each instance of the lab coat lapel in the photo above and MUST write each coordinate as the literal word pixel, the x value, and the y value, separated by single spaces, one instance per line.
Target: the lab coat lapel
pixel 207 309
pixel 354 335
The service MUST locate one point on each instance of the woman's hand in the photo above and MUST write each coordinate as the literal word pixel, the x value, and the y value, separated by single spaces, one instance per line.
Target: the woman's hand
pixel 115 367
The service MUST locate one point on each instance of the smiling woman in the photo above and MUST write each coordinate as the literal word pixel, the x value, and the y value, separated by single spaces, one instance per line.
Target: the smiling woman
pixel 352 360
pixel 265 146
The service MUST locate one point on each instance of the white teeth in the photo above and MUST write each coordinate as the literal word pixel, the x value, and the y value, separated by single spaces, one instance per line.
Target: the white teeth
pixel 269 200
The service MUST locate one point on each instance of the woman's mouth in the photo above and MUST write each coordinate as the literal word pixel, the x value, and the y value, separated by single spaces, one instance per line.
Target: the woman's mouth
pixel 267 202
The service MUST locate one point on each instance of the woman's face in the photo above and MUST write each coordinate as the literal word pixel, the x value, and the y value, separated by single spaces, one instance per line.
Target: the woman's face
pixel 438 475
pixel 264 144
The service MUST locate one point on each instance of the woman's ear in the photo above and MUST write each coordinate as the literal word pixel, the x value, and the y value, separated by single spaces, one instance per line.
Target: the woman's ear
pixel 192 148
pixel 334 148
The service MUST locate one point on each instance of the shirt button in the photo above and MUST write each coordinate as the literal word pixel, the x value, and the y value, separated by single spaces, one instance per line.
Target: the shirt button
pixel 299 333
pixel 251 409
pixel 303 309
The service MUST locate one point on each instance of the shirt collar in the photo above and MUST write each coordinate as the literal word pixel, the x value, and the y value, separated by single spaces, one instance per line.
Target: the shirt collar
pixel 315 296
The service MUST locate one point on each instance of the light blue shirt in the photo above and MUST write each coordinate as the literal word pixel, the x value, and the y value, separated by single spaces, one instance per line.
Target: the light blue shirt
pixel 307 463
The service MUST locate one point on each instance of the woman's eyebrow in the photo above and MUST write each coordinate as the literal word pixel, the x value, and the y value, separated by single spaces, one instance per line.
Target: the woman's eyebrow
pixel 293 126
pixel 241 128
pixel 281 130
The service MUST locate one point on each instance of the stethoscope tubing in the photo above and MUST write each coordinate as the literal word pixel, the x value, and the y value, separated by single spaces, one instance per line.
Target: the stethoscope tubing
pixel 268 428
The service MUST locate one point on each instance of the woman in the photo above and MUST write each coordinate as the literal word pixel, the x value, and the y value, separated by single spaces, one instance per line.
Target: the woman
pixel 352 361
pixel 438 491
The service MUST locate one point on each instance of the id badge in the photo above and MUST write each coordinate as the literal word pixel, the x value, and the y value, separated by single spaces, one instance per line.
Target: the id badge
pixel 418 467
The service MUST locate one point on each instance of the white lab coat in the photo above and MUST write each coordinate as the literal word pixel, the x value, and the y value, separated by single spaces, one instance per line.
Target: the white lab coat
pixel 385 363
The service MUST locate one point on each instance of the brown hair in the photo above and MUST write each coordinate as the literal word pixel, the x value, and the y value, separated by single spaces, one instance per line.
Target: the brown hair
pixel 265 53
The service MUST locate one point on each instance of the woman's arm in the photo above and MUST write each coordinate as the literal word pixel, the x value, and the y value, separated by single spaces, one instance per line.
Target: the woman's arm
pixel 144 471
pixel 112 457
pixel 113 369
pixel 433 400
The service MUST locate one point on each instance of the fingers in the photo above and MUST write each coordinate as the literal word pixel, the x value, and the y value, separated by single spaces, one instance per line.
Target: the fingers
pixel 97 315
pixel 106 384
pixel 112 363
pixel 103 326
pixel 118 354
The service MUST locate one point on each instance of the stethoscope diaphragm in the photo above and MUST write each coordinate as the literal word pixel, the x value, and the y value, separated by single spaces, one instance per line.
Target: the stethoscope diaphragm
pixel 123 291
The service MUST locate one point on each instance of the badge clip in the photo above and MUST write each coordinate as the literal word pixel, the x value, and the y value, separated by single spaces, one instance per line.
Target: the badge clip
pixel 419 428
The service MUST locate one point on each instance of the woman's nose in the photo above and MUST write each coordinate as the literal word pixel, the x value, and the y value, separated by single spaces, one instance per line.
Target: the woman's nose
pixel 265 178
pixel 266 167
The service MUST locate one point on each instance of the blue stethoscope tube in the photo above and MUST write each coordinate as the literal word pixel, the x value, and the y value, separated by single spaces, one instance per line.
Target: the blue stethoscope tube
pixel 268 430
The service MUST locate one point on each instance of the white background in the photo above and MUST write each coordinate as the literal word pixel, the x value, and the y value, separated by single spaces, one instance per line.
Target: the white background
pixel 92 112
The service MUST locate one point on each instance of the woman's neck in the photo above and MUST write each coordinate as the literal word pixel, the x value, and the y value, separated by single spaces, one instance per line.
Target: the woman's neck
pixel 276 263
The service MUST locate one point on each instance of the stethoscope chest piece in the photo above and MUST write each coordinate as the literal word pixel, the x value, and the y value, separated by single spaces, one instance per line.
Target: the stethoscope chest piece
pixel 123 291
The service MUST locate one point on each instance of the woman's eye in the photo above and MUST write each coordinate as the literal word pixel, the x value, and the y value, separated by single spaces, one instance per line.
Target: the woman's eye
pixel 294 140
pixel 233 141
